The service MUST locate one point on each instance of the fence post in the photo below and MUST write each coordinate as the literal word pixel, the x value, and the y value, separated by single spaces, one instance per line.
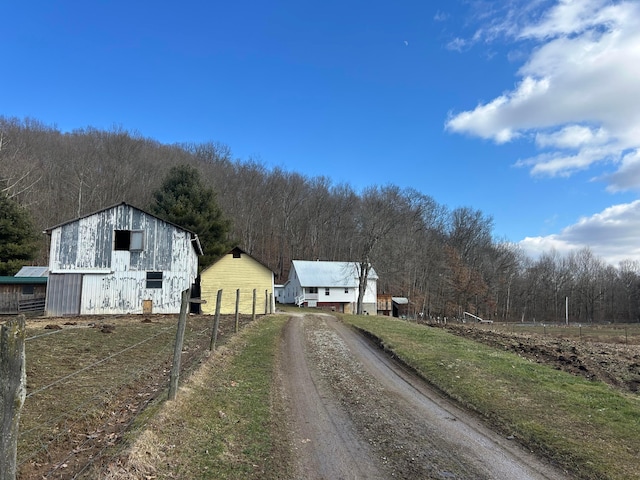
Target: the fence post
pixel 177 348
pixel 12 392
pixel 237 307
pixel 266 302
pixel 253 309
pixel 216 322
pixel 271 303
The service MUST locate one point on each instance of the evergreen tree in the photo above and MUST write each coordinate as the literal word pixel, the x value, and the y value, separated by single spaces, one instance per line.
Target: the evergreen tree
pixel 18 241
pixel 184 200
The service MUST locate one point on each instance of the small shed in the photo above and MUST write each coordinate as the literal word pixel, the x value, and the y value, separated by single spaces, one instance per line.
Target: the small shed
pixel 22 295
pixel 120 260
pixel 400 307
pixel 237 270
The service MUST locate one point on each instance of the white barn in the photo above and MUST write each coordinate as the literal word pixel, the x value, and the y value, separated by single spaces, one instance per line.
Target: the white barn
pixel 330 285
pixel 120 260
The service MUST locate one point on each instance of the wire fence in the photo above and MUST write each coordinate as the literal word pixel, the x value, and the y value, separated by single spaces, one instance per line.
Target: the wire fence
pixel 622 333
pixel 88 380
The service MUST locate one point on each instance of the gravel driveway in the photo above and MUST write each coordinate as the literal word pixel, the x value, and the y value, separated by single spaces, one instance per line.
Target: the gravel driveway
pixel 355 414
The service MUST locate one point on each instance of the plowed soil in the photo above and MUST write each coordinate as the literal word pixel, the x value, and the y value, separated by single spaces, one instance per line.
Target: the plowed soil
pixel 616 364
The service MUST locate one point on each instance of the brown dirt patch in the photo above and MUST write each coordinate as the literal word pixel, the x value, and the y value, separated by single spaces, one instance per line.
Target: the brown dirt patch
pixel 616 364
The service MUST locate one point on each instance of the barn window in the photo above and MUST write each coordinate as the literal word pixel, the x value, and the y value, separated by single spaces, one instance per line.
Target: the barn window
pixel 28 290
pixel 131 240
pixel 236 253
pixel 154 279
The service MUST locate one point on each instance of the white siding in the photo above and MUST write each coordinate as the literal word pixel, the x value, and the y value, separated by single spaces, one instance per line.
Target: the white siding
pixel 114 281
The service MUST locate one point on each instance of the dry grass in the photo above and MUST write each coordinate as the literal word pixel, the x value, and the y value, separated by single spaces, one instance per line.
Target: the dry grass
pixel 87 381
pixel 221 423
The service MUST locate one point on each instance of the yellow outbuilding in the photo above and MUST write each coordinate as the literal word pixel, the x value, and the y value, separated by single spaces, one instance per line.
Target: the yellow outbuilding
pixel 238 271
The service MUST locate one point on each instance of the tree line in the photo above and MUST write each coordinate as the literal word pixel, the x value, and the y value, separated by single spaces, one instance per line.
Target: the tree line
pixel 446 261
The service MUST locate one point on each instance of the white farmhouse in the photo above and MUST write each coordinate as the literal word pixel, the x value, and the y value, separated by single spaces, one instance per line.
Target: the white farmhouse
pixel 329 285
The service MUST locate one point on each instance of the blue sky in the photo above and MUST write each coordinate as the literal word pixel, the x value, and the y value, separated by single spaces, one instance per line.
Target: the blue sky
pixel 526 110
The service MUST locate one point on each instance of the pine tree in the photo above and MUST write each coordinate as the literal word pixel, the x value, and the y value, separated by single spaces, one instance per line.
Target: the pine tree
pixel 18 241
pixel 184 200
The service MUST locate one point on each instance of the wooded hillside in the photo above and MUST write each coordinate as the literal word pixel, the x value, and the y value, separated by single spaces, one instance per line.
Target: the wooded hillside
pixel 445 261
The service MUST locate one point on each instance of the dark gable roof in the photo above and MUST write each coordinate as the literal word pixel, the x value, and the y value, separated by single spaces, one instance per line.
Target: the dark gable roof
pixel 194 236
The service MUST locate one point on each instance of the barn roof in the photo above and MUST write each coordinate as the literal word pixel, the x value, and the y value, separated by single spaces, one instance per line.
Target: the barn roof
pixel 328 274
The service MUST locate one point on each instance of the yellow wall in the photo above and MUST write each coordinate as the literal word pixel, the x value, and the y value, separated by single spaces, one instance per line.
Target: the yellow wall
pixel 230 274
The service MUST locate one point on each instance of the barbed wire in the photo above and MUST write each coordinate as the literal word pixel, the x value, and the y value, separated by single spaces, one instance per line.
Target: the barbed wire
pixel 88 367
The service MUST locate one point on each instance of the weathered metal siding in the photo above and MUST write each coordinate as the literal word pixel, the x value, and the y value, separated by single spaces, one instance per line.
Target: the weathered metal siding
pixel 114 281
pixel 125 292
pixel 63 294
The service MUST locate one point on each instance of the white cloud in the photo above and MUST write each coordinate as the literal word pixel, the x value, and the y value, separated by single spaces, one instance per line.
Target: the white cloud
pixel 573 136
pixel 440 16
pixel 612 235
pixel 579 94
pixel 457 44
pixel 628 175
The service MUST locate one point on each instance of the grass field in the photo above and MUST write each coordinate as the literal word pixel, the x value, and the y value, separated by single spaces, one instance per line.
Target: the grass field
pixel 88 378
pixel 223 425
pixel 586 427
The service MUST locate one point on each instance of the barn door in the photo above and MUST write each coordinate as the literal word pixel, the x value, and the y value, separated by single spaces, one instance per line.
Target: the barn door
pixel 63 294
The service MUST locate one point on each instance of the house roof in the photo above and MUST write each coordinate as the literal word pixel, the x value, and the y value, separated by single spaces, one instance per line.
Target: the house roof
pixel 194 236
pixel 33 272
pixel 328 274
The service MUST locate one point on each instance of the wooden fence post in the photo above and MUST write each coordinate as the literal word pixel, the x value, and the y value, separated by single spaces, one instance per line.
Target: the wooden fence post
pixel 216 322
pixel 253 309
pixel 12 392
pixel 237 308
pixel 266 302
pixel 177 348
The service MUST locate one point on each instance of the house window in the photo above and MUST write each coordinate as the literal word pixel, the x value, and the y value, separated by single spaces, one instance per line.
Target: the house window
pixel 346 290
pixel 326 291
pixel 131 240
pixel 312 289
pixel 236 254
pixel 154 279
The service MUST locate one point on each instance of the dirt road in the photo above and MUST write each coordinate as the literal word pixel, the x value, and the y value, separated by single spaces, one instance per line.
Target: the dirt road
pixel 356 414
